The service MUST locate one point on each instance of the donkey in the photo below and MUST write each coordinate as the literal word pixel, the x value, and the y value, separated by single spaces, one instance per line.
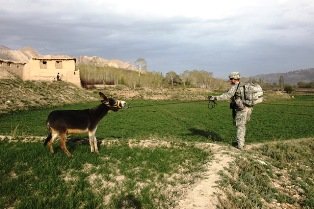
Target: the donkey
pixel 63 122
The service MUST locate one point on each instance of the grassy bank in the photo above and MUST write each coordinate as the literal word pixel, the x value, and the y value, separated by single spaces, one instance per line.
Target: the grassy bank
pixel 274 175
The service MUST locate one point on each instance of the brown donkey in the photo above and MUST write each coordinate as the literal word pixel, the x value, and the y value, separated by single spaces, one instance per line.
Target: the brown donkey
pixel 63 122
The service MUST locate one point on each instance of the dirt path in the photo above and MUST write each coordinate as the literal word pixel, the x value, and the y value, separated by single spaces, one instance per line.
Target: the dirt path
pixel 204 193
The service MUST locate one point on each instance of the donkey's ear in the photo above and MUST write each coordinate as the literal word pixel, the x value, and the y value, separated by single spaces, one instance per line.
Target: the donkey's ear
pixel 103 96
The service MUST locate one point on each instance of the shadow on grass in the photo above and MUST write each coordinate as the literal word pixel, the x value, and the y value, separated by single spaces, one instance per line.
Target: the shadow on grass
pixel 73 142
pixel 207 134
pixel 80 140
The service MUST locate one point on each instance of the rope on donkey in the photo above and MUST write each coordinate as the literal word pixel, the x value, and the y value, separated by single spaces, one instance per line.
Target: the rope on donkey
pixel 172 103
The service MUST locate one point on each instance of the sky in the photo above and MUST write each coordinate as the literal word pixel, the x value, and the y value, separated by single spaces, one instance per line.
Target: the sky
pixel 219 36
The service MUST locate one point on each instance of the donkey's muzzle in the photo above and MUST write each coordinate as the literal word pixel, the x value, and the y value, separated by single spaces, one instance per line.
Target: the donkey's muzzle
pixel 121 104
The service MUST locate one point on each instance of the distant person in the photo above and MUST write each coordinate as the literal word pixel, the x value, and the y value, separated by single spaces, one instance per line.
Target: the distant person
pixel 58 77
pixel 241 113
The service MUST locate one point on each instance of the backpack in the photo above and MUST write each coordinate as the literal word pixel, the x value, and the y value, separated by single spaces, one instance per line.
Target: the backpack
pixel 253 94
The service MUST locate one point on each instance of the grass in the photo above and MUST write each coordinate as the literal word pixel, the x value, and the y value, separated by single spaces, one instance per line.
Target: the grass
pixel 191 121
pixel 119 176
pixel 278 173
pixel 123 176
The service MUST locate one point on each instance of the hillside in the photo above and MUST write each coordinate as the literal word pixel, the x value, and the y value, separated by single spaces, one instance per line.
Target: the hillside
pixel 292 77
pixel 20 95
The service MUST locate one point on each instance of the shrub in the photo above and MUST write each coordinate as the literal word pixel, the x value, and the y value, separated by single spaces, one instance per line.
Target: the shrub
pixel 289 89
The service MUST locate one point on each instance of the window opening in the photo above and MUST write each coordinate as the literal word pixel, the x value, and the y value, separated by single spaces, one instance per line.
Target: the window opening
pixel 58 64
pixel 43 64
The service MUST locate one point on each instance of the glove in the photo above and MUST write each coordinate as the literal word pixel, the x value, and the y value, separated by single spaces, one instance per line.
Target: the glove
pixel 212 98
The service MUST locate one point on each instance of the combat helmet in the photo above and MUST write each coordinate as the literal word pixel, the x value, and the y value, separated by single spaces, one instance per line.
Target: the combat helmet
pixel 234 75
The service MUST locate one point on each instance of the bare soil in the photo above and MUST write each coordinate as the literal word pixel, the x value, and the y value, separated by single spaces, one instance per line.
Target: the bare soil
pixel 205 192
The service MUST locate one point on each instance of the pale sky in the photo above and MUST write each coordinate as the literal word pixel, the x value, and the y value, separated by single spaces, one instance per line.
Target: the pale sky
pixel 250 36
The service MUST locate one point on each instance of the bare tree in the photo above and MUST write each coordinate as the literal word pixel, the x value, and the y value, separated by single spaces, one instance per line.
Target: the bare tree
pixel 198 78
pixel 173 78
pixel 281 83
pixel 141 65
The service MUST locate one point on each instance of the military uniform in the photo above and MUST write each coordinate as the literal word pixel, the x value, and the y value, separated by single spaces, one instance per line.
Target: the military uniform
pixel 241 113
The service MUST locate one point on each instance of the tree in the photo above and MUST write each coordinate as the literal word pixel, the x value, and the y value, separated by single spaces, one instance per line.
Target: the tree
pixel 289 89
pixel 197 78
pixel 185 76
pixel 281 83
pixel 141 65
pixel 173 78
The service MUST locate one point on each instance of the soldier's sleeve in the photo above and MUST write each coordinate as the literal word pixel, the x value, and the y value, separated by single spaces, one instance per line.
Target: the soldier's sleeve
pixel 227 95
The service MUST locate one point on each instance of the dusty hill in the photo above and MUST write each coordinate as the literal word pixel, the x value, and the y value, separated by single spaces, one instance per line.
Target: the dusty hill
pixel 19 55
pixel 20 95
pixel 102 62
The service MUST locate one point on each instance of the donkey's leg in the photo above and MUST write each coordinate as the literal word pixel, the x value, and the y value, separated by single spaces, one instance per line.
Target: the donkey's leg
pixel 50 143
pixel 95 144
pixel 93 141
pixel 63 144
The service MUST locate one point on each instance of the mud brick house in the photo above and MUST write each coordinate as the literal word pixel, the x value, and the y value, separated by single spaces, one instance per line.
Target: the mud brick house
pixel 45 68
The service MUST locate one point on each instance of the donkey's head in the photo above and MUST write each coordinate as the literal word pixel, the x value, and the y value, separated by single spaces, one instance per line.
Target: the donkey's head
pixel 111 103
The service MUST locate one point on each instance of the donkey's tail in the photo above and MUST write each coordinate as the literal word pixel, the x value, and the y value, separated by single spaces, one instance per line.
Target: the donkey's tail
pixel 49 135
pixel 48 139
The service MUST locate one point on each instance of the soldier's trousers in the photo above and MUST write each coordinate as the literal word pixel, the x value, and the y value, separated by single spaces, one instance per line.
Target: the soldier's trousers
pixel 240 118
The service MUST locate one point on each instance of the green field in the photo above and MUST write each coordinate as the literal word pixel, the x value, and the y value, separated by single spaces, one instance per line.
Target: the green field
pixel 191 121
pixel 118 176
pixel 125 176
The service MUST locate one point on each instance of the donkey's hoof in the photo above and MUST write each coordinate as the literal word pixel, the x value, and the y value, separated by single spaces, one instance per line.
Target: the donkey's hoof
pixel 69 155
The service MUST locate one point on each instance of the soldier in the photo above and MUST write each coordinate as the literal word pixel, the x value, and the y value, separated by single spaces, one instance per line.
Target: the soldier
pixel 240 112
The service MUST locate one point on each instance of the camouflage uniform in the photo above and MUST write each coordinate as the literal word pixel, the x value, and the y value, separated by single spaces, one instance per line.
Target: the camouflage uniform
pixel 241 114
